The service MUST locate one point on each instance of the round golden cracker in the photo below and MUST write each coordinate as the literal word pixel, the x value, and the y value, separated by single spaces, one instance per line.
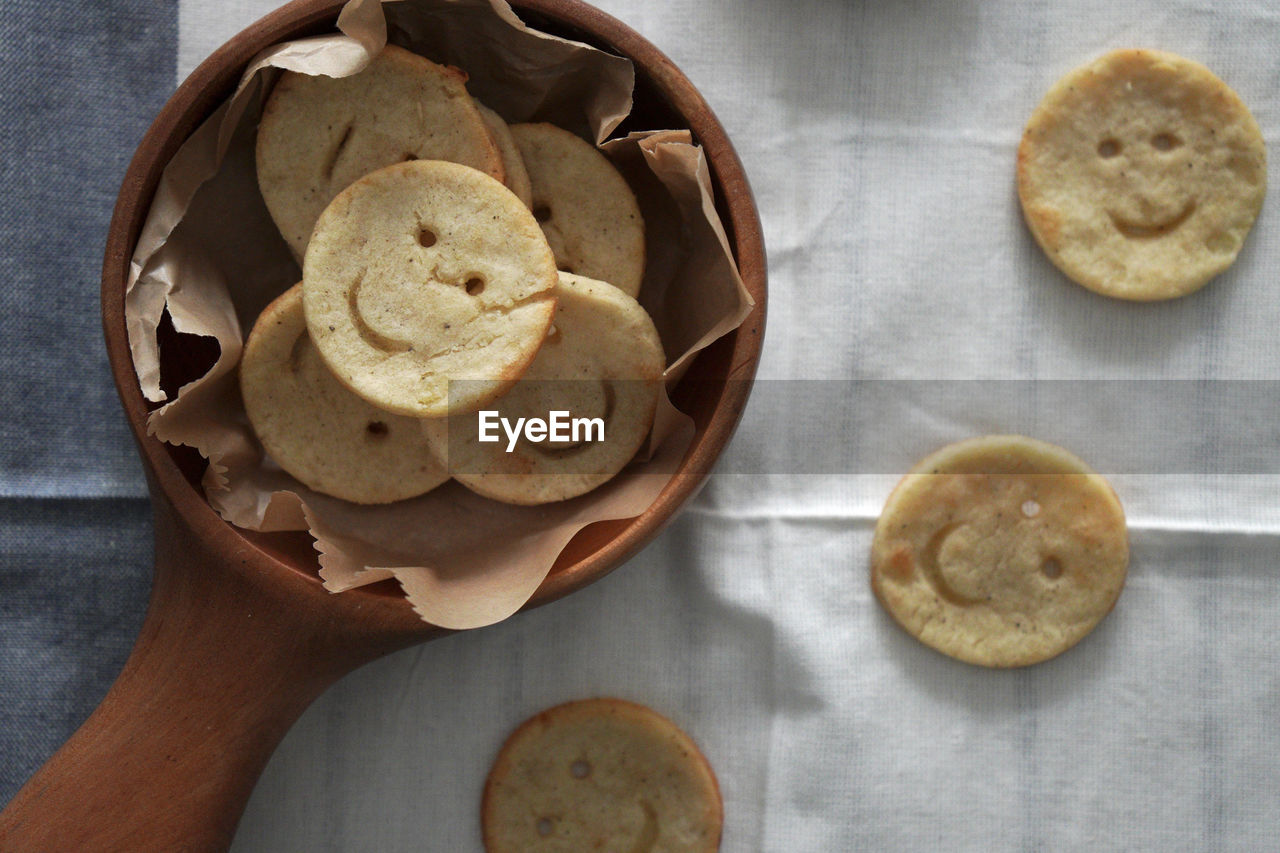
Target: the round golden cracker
pixel 601 774
pixel 517 177
pixel 422 273
pixel 319 134
pixel 602 359
pixel 1140 175
pixel 586 208
pixel 1001 551
pixel 318 431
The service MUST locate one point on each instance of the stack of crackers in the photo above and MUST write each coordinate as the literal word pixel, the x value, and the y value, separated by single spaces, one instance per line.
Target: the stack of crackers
pixel 450 263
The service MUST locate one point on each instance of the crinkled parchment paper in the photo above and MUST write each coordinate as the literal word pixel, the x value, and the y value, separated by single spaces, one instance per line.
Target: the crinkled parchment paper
pixel 210 255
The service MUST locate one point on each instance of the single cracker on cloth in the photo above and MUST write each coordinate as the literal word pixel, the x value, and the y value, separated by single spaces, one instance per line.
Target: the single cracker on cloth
pixel 1001 551
pixel 422 273
pixel 602 360
pixel 586 208
pixel 1140 175
pixel 517 177
pixel 601 774
pixel 319 134
pixel 318 431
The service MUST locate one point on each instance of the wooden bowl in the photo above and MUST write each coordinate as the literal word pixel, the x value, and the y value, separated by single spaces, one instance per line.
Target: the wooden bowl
pixel 240 636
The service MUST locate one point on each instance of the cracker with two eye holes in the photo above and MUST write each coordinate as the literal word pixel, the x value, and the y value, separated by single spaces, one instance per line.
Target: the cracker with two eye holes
pixel 318 431
pixel 602 360
pixel 319 134
pixel 1001 551
pixel 601 774
pixel 1140 175
pixel 587 210
pixel 422 273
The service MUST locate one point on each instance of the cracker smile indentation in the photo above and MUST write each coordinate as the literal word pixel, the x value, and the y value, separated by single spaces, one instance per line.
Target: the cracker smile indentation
pixel 933 571
pixel 649 831
pixel 373 338
pixel 1142 230
pixel 296 352
pixel 332 160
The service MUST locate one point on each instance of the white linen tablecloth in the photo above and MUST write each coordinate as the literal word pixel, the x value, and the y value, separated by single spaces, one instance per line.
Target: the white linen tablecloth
pixel 879 138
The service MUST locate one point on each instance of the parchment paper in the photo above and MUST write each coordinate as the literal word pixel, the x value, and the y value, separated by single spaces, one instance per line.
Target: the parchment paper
pixel 210 255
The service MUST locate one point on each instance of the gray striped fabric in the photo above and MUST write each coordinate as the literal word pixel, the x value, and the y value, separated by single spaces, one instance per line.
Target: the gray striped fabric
pixel 79 83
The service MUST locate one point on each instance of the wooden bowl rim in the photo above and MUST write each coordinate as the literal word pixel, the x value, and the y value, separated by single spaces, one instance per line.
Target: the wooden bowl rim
pixel 207 87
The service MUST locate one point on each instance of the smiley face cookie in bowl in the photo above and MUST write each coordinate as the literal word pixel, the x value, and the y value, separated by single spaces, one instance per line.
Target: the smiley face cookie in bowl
pixel 328 438
pixel 586 209
pixel 423 273
pixel 319 134
pixel 1140 175
pixel 601 365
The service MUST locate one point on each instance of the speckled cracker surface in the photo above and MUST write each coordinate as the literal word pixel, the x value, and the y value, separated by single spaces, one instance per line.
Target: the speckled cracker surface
pixel 1001 551
pixel 586 209
pixel 602 359
pixel 319 134
pixel 317 430
pixel 422 273
pixel 1140 175
pixel 601 774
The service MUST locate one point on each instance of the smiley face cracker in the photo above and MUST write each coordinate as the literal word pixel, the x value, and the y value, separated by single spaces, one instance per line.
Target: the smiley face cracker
pixel 318 431
pixel 586 208
pixel 1001 551
pixel 1140 175
pixel 422 273
pixel 319 134
pixel 602 360
pixel 601 774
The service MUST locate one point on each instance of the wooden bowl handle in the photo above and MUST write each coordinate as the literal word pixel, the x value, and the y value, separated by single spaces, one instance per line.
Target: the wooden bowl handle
pixel 223 666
